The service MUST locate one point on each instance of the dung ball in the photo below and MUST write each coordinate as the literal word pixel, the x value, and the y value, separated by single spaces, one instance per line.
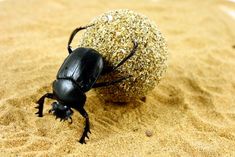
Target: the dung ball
pixel 112 35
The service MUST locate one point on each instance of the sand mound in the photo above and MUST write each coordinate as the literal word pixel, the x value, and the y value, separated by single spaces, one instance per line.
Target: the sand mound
pixel 190 113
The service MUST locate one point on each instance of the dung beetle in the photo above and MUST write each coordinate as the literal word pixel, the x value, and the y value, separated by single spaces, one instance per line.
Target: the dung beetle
pixel 77 75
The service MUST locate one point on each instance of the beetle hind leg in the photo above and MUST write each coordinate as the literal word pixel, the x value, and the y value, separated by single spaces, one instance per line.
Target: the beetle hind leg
pixel 73 35
pixel 104 84
pixel 109 69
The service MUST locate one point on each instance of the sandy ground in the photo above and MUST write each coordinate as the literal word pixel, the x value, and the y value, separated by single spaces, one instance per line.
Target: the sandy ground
pixel 190 113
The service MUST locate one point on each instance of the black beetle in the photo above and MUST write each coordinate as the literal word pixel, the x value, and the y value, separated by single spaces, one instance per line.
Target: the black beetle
pixel 76 76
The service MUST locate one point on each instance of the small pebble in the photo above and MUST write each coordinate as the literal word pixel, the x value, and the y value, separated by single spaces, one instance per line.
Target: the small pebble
pixel 148 133
pixel 143 99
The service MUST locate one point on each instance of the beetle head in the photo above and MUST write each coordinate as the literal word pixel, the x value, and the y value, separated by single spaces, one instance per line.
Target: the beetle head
pixel 61 111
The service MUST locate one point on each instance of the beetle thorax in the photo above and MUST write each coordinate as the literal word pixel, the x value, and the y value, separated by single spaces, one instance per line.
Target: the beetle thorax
pixel 67 92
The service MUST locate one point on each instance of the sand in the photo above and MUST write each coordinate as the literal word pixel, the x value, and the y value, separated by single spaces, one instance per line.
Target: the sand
pixel 190 113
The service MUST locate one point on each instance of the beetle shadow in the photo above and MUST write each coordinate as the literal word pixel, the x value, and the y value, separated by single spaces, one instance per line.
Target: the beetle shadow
pixel 133 103
pixel 103 110
pixel 96 103
pixel 109 118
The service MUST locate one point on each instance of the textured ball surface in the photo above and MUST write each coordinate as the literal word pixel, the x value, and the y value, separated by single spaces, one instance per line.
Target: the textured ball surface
pixel 112 36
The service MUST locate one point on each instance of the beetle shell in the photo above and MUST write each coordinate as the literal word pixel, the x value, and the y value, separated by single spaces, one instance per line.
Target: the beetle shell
pixel 83 66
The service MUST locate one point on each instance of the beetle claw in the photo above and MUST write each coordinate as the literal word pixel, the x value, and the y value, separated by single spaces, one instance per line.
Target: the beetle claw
pixel 38 114
pixel 85 133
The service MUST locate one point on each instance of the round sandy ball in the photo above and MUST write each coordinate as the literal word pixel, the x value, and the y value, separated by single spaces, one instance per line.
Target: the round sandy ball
pixel 112 35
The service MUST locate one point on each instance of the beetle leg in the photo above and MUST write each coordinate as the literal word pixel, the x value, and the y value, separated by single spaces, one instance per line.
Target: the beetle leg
pixel 40 103
pixel 107 70
pixel 103 84
pixel 87 125
pixel 73 35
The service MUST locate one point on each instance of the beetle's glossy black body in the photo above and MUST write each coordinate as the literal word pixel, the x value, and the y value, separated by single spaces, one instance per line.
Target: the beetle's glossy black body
pixel 83 66
pixel 76 76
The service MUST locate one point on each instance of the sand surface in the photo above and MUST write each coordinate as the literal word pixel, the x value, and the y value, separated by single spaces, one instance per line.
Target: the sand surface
pixel 190 113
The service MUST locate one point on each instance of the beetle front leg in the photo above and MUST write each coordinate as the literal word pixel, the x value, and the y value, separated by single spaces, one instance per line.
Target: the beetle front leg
pixel 40 103
pixel 87 125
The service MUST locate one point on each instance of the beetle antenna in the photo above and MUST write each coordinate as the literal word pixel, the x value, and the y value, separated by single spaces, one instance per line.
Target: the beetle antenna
pixel 73 35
